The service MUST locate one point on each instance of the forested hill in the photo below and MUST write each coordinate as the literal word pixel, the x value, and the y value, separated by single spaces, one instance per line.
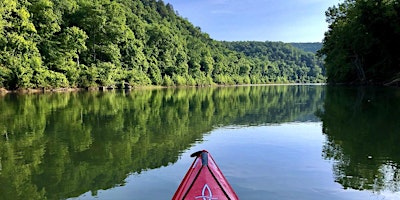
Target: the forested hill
pixel 308 47
pixel 284 59
pixel 91 43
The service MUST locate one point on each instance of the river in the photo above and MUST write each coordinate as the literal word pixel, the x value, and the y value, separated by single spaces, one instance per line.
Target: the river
pixel 271 142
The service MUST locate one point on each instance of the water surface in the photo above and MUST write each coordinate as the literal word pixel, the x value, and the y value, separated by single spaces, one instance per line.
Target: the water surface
pixel 271 142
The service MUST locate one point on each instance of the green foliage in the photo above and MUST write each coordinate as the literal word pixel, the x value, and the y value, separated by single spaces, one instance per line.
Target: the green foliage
pixel 360 45
pixel 179 80
pixel 91 43
pixel 313 47
pixel 167 81
pixel 137 78
pixel 56 79
pixel 190 80
pixel 108 73
pixel 278 62
pixel 89 76
pixel 224 79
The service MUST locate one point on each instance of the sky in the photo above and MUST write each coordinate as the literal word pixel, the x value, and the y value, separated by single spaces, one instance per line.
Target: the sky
pixel 258 20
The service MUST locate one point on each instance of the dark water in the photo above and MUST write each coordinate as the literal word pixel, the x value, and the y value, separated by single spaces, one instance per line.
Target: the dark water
pixel 271 142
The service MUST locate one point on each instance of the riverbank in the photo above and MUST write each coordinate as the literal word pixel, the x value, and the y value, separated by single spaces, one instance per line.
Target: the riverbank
pixel 25 91
pixel 31 90
pixel 3 91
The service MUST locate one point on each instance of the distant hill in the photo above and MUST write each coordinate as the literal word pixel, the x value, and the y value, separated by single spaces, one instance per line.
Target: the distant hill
pixel 284 60
pixel 308 47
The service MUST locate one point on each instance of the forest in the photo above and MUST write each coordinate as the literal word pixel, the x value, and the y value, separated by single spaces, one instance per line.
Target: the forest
pixel 282 62
pixel 47 44
pixel 308 47
pixel 361 44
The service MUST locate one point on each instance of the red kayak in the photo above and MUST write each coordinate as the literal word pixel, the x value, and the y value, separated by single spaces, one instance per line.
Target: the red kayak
pixel 204 181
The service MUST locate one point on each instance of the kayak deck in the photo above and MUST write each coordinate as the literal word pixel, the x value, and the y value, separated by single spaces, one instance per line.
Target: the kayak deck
pixel 204 181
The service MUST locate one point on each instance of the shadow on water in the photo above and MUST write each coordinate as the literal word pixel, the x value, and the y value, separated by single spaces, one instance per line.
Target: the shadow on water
pixel 362 128
pixel 62 145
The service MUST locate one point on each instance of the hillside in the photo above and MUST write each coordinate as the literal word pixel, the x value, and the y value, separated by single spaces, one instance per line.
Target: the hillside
pixel 284 60
pixel 91 43
pixel 312 47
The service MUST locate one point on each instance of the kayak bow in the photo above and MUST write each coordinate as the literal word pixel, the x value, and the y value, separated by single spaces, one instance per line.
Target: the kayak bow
pixel 204 181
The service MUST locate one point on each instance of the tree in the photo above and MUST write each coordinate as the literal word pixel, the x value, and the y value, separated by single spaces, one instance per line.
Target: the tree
pixel 361 41
pixel 91 43
pixel 20 58
pixel 270 60
pixel 72 42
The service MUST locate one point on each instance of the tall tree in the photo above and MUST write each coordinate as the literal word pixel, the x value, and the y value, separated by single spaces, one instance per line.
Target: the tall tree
pixel 360 45
pixel 20 60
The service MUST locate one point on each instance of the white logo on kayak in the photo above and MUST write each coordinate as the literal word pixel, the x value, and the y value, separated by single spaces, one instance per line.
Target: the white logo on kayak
pixel 203 193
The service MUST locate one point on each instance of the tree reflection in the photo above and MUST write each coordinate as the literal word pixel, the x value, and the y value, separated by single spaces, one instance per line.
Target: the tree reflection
pixel 62 145
pixel 362 130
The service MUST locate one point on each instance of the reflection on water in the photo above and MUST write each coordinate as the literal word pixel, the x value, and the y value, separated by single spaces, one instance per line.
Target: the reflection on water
pixel 362 128
pixel 62 145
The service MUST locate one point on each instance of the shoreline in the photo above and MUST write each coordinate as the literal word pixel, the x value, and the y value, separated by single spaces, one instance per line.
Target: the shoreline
pixel 34 91
pixel 56 90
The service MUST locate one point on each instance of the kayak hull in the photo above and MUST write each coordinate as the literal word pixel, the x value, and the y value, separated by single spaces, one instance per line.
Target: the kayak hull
pixel 204 181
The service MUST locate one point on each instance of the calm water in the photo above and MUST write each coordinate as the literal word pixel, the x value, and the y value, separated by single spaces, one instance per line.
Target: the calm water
pixel 271 142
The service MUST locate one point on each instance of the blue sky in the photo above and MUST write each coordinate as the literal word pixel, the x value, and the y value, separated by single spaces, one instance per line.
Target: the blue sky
pixel 258 20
